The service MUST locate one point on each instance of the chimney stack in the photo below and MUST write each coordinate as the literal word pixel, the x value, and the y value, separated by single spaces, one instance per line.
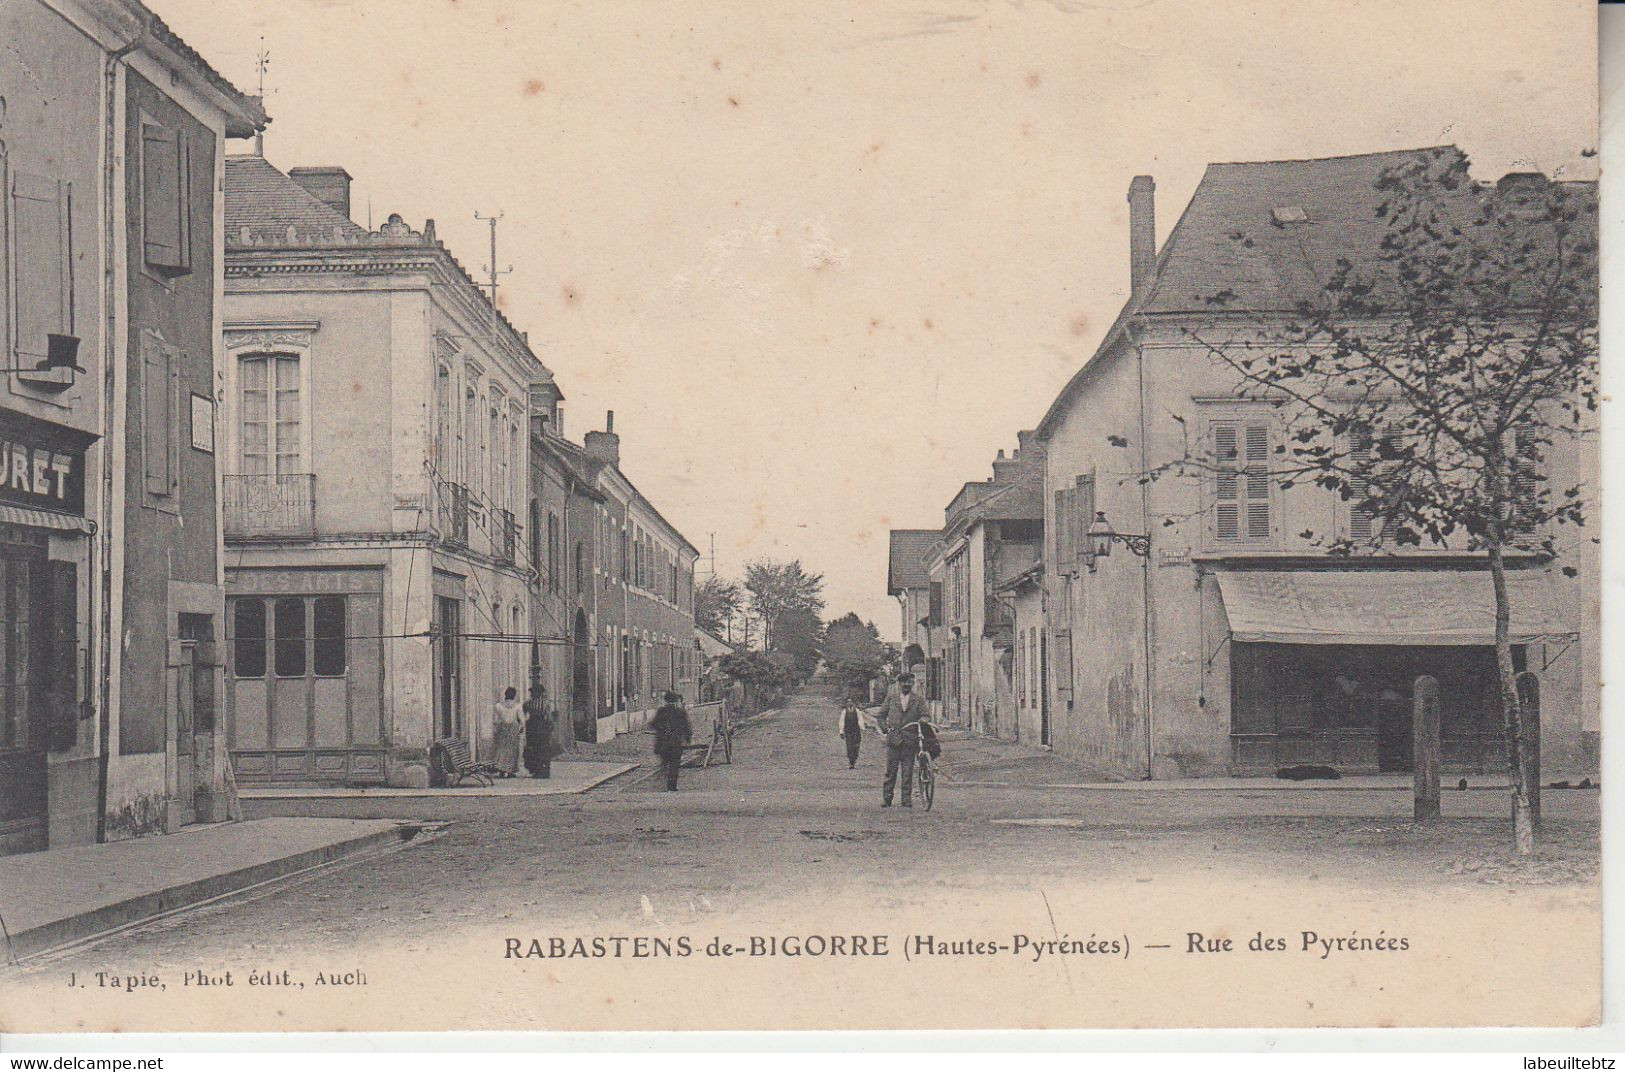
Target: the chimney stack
pixel 1142 232
pixel 605 445
pixel 329 185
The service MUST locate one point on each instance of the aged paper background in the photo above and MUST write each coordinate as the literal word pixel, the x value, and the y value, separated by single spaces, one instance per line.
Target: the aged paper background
pixel 872 214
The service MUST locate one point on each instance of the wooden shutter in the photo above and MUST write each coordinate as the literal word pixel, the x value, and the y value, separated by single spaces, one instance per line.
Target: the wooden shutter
pixel 159 373
pixel 1083 514
pixel 42 265
pixel 1062 663
pixel 936 603
pixel 165 197
pixel 1226 482
pixel 1526 477
pixel 1063 530
pixel 1361 457
pixel 1256 482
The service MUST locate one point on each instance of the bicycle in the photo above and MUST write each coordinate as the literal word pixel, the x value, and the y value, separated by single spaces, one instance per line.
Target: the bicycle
pixel 925 778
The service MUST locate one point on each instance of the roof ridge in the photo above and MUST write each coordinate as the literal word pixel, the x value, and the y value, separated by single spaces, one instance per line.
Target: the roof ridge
pixel 1339 156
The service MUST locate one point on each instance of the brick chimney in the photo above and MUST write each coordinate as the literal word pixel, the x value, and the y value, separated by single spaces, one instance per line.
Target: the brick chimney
pixel 1142 231
pixel 1006 470
pixel 605 445
pixel 329 185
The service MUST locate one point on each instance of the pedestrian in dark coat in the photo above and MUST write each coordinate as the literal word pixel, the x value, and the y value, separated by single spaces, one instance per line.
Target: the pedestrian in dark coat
pixel 539 750
pixel 851 728
pixel 672 731
pixel 899 717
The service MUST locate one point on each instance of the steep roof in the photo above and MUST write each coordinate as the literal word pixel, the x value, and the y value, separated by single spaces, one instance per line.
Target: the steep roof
pixel 1267 235
pixel 258 195
pixel 244 113
pixel 910 548
pixel 1270 232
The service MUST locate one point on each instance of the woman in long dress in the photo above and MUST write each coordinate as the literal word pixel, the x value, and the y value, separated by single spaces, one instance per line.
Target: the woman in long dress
pixel 508 718
pixel 539 750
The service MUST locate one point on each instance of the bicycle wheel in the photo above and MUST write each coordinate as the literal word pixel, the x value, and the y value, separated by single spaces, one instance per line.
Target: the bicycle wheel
pixel 928 781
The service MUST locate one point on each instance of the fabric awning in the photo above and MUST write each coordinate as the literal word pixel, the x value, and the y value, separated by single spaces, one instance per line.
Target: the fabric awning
pixel 1391 607
pixel 46 519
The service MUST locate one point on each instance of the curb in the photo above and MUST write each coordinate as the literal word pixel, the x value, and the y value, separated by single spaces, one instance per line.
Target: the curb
pixel 97 921
pixel 439 793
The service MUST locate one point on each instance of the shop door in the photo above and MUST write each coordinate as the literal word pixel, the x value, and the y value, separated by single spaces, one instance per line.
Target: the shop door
pixel 23 729
pixel 185 707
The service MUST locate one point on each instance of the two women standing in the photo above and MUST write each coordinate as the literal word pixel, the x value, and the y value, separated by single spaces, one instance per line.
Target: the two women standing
pixel 524 731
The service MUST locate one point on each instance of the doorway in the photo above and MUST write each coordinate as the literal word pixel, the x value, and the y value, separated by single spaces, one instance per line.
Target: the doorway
pixel 24 625
pixel 448 691
pixel 581 679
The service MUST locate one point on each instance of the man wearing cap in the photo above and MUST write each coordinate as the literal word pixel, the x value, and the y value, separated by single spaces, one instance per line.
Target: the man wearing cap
pixel 672 731
pixel 902 706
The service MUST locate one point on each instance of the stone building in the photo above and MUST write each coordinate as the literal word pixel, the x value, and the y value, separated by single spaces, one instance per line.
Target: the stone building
pixel 1221 639
pixel 992 531
pixel 376 451
pixel 112 136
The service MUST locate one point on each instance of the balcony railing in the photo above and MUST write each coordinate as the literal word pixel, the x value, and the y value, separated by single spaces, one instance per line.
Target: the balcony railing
pixel 454 513
pixel 267 504
pixel 506 537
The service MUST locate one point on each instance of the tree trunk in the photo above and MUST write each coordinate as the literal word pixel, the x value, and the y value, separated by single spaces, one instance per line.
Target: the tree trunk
pixel 1523 826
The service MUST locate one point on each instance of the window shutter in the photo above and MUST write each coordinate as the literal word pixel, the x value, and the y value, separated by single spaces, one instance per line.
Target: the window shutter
pixel 165 197
pixel 157 414
pixel 1361 458
pixel 1257 482
pixel 936 603
pixel 1061 661
pixel 1063 530
pixel 42 264
pixel 1526 478
pixel 1226 485
pixel 1083 515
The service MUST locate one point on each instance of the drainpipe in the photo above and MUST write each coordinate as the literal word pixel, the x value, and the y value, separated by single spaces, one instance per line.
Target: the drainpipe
pixel 1148 626
pixel 110 319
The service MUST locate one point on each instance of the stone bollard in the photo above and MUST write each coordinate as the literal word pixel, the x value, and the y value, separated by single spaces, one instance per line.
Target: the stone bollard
pixel 1529 717
pixel 1425 733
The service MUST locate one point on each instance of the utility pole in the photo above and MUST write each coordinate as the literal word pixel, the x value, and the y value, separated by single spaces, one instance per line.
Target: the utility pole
pixel 491 269
pixel 262 61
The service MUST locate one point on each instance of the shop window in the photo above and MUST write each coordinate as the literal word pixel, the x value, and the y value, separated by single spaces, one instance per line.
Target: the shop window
pixel 330 657
pixel 42 265
pixel 248 638
pixel 290 637
pixel 166 199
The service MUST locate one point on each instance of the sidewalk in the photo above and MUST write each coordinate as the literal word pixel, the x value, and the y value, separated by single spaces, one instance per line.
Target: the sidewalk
pixel 569 776
pixel 974 761
pixel 52 898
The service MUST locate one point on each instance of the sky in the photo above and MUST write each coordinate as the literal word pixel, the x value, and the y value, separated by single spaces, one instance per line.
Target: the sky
pixel 824 259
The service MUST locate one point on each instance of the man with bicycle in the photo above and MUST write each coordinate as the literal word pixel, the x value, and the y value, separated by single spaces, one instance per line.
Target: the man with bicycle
pixel 902 706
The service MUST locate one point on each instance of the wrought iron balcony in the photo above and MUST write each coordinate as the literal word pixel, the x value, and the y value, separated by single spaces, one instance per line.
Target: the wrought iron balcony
pixel 505 537
pixel 454 513
pixel 270 505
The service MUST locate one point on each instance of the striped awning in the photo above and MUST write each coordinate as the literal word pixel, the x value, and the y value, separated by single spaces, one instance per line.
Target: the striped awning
pixel 46 519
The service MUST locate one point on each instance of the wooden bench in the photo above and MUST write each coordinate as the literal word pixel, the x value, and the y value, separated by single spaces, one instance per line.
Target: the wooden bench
pixel 457 764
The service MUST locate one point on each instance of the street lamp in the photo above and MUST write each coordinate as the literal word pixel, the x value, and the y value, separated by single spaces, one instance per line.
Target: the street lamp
pixel 1101 538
